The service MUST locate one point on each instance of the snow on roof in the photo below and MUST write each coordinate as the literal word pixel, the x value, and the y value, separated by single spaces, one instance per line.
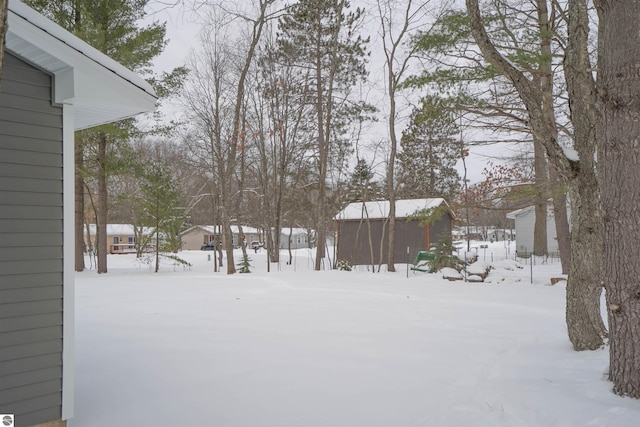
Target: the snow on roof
pixel 380 209
pixel 118 230
pixel 294 231
pixel 514 214
pixel 214 229
pixel 100 88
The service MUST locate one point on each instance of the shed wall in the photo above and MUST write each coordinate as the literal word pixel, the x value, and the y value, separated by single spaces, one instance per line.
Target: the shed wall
pixel 354 244
pixel 524 231
pixel 31 245
pixel 525 227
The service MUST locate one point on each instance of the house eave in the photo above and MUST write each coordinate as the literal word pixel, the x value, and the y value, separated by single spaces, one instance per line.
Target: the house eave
pixel 76 66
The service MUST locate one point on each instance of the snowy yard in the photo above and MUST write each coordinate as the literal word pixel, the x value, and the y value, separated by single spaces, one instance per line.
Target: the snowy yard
pixel 302 348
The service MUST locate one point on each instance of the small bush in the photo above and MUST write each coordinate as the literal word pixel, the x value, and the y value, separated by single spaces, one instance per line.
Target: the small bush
pixel 244 265
pixel 445 257
pixel 343 265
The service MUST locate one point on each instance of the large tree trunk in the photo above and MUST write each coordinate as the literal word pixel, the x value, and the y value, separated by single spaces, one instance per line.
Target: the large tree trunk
pixel 584 320
pixel 80 246
pixel 619 95
pixel 101 214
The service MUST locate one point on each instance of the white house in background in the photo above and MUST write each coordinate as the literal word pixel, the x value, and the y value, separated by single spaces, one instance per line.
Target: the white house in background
pixel 121 238
pixel 525 220
pixel 500 234
pixel 299 238
pixel 53 84
pixel 193 238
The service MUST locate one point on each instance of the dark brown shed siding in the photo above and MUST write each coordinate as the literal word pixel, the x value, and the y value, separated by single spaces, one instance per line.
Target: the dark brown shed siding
pixel 31 283
pixel 408 234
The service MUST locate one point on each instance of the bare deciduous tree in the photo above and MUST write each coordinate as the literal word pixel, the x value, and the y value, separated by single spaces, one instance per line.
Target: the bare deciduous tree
pixel 396 65
pixel 320 36
pixel 534 89
pixel 217 91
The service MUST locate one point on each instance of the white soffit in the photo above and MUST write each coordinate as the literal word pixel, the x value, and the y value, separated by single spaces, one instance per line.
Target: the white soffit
pixel 100 89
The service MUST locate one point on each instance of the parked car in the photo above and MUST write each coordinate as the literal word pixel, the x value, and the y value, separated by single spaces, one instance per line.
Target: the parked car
pixel 209 246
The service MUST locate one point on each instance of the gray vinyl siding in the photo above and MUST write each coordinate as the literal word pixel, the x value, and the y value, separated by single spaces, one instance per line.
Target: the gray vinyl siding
pixel 31 246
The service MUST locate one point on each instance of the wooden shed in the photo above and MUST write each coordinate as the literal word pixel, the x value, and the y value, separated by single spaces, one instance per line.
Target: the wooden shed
pixel 363 230
pixel 52 85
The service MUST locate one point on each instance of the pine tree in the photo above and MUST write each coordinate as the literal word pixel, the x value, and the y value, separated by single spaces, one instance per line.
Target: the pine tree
pixel 319 37
pixel 244 265
pixel 158 206
pixel 430 151
pixel 361 188
pixel 111 26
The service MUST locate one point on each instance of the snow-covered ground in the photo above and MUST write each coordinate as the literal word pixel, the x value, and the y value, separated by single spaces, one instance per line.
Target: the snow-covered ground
pixel 300 348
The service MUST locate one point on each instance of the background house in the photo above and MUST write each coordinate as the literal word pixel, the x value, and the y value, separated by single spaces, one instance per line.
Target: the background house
pixel 360 223
pixel 121 238
pixel 193 238
pixel 525 220
pixel 52 84
pixel 299 238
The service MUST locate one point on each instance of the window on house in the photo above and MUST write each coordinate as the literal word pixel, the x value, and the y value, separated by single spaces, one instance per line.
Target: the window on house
pixel 116 240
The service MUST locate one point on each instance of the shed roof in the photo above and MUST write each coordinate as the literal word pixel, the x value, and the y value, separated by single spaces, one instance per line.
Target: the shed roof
pixel 380 209
pixel 100 89
pixel 519 212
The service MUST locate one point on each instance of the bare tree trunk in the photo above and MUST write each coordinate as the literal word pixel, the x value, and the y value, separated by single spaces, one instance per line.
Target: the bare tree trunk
pixel 289 245
pixel 80 246
pixel 157 250
pixel 619 92
pixel 323 160
pixel 542 197
pixel 229 168
pixel 395 70
pixel 391 188
pixel 101 214
pixel 584 287
pixel 227 242
pixel 561 218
